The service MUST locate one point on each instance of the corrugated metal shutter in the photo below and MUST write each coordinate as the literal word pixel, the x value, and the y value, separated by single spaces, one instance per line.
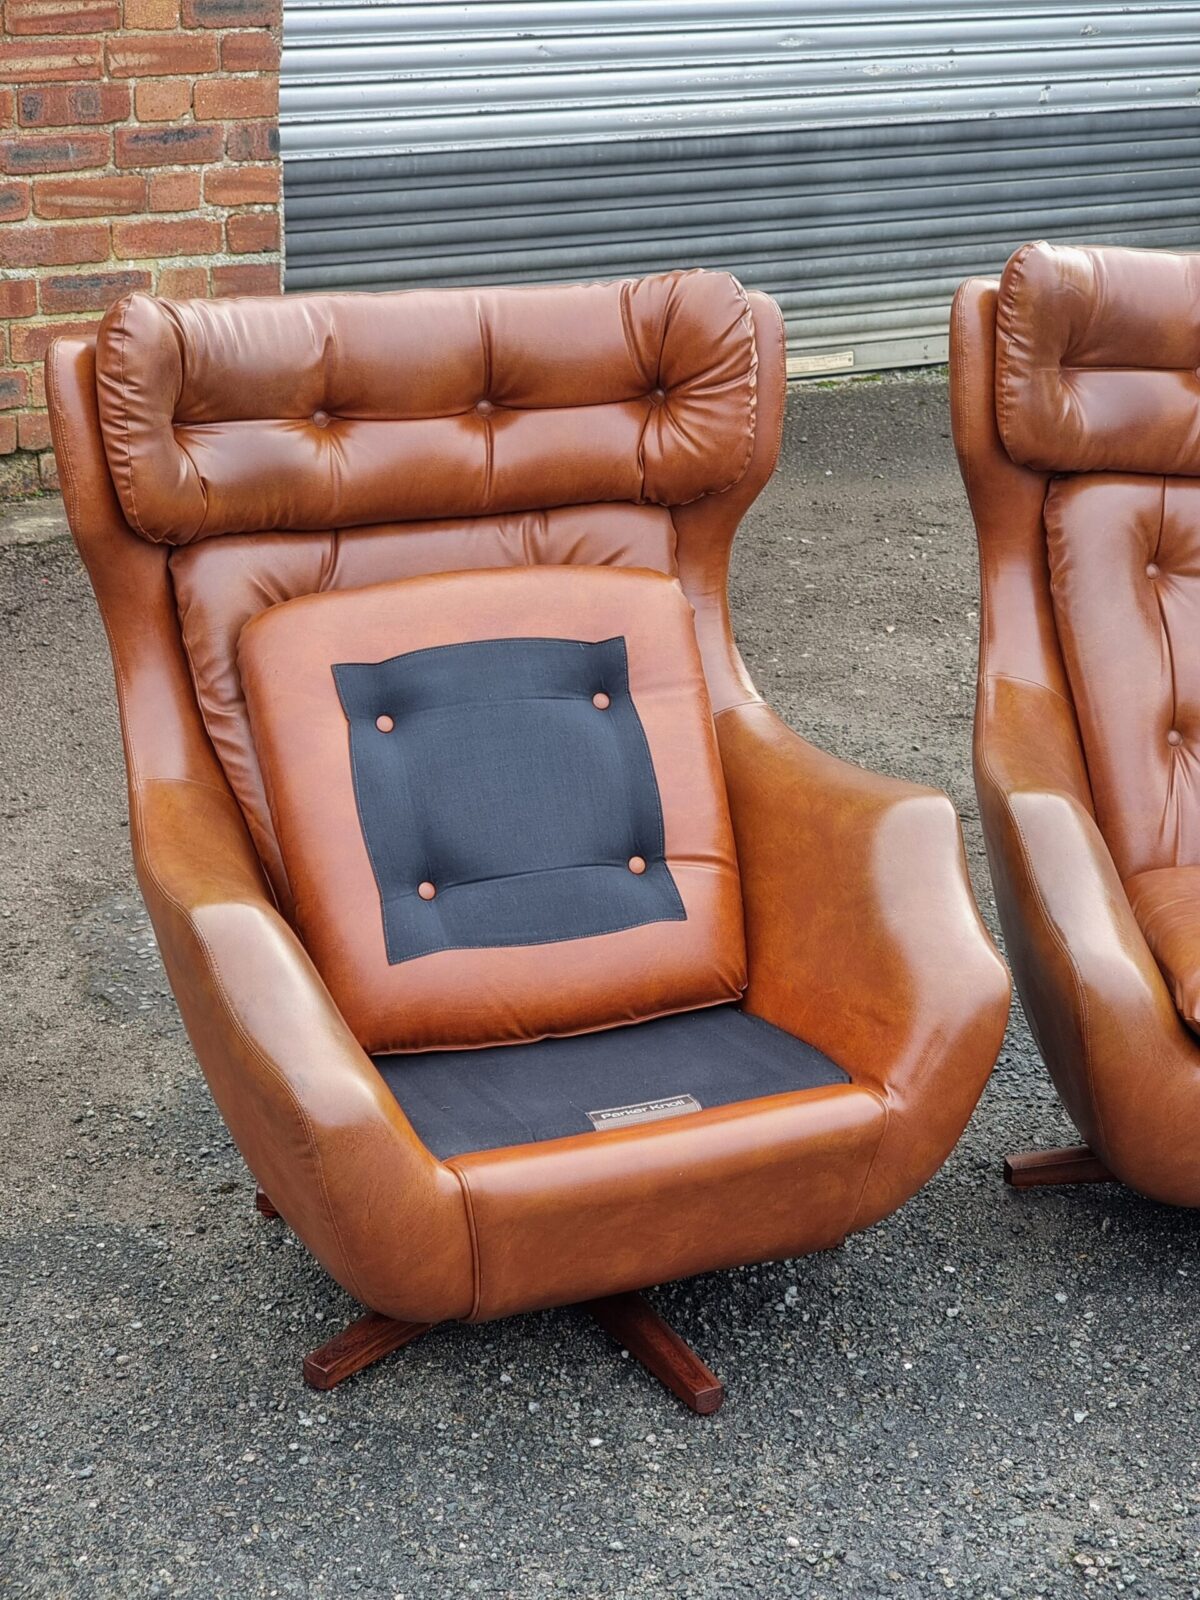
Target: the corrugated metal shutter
pixel 856 161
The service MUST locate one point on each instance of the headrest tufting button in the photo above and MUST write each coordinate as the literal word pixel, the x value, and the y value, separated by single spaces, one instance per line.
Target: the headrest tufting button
pixel 484 407
pixel 320 419
pixel 1174 737
pixel 637 866
pixel 426 890
pixel 601 701
pixel 657 396
pixel 385 724
pixel 1151 570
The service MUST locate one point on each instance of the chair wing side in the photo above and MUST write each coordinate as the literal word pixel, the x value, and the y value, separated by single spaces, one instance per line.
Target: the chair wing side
pixel 307 1109
pixel 863 937
pixel 1125 1066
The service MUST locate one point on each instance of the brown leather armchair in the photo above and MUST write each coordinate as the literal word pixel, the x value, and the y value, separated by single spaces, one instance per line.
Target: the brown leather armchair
pixel 529 957
pixel 1076 415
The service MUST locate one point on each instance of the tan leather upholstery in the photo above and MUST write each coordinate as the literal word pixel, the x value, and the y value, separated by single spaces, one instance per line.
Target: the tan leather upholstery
pixel 1124 558
pixel 221 583
pixel 1166 904
pixel 859 922
pixel 239 416
pixel 1096 364
pixel 1079 362
pixel 460 998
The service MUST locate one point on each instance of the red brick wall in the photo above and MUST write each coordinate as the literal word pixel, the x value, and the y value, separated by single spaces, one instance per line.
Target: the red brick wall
pixel 139 149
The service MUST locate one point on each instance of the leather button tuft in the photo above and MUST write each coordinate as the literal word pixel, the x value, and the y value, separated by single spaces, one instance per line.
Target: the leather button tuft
pixel 1174 737
pixel 657 397
pixel 320 419
pixel 1151 570
pixel 637 866
pixel 601 701
pixel 426 890
pixel 484 408
pixel 385 724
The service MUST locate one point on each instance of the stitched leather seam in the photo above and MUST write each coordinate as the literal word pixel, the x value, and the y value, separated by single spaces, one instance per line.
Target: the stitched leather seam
pixel 128 462
pixel 62 444
pixel 961 392
pixel 885 1106
pixel 1004 309
pixel 627 329
pixel 476 1264
pixel 1166 633
pixel 781 334
pixel 1012 677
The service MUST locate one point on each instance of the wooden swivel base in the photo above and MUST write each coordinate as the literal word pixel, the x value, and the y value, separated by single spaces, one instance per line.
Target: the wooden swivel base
pixel 629 1319
pixel 1038 1169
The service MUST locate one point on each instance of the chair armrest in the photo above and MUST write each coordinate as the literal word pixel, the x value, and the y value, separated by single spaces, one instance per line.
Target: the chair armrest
pixel 1125 1065
pixel 863 937
pixel 304 1103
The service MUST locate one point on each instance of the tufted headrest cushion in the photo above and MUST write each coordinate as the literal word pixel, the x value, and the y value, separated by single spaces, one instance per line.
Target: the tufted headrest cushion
pixel 1096 360
pixel 319 411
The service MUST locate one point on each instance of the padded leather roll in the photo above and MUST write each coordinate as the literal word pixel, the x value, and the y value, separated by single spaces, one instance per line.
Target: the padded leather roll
pixel 320 411
pixel 1097 352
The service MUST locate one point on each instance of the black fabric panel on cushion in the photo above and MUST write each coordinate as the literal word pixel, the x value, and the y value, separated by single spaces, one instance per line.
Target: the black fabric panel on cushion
pixel 504 786
pixel 462 1100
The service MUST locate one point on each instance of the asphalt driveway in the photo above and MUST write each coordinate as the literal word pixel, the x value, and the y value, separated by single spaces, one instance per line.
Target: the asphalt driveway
pixel 988 1395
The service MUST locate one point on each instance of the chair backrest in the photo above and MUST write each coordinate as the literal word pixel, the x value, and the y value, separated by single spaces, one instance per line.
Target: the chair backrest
pixel 1097 393
pixel 261 450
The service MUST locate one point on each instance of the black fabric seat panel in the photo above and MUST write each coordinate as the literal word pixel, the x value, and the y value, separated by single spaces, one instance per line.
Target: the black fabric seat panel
pixel 463 1100
pixel 497 779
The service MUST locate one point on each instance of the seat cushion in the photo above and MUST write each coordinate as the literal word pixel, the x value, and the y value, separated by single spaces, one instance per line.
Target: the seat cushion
pixel 1166 904
pixel 615 1078
pixel 499 803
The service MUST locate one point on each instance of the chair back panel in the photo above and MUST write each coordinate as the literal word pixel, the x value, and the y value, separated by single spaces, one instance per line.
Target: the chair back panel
pixel 1096 383
pixel 1125 576
pixel 220 584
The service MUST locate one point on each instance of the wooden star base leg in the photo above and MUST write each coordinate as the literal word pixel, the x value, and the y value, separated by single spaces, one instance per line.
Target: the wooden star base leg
pixel 364 1342
pixel 632 1321
pixel 1038 1169
pixel 262 1203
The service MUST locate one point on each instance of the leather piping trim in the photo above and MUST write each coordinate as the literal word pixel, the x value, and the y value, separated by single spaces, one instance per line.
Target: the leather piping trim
pixel 476 1263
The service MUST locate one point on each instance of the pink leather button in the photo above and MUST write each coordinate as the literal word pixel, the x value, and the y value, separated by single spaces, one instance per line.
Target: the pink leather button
pixel 637 866
pixel 1174 737
pixel 320 419
pixel 601 701
pixel 384 724
pixel 1151 570
pixel 426 890
pixel 484 408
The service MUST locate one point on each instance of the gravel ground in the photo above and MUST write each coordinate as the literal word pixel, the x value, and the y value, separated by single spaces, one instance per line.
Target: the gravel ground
pixel 988 1394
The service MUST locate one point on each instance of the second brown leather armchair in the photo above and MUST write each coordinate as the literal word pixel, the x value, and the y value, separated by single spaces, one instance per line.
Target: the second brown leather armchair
pixel 1077 420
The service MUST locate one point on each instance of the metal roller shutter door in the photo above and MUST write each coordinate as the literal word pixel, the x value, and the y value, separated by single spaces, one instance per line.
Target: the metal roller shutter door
pixel 854 161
